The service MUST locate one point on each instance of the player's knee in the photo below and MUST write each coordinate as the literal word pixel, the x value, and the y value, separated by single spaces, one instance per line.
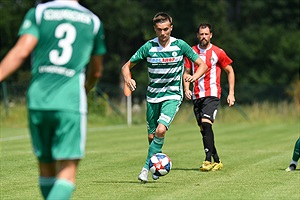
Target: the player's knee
pixel 206 126
pixel 160 131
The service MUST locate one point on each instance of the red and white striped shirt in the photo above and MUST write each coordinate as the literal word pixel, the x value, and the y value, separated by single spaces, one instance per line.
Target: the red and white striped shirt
pixel 209 84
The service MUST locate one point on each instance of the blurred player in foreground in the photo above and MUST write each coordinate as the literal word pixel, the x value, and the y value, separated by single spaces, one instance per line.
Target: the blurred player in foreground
pixel 164 57
pixel 207 92
pixel 296 154
pixel 63 38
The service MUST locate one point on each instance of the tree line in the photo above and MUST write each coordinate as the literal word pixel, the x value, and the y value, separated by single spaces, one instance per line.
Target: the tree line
pixel 261 37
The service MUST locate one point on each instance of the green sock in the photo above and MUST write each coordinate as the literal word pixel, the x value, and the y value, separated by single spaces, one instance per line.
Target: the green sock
pixel 154 147
pixel 46 184
pixel 62 189
pixel 296 153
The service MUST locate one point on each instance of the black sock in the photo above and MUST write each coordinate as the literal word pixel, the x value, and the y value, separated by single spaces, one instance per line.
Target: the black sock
pixel 215 155
pixel 208 140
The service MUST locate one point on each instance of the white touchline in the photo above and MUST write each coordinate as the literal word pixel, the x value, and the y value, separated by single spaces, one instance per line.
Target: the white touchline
pixel 14 138
pixel 93 129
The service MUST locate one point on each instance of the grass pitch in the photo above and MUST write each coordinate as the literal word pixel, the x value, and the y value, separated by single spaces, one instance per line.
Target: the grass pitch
pixel 254 157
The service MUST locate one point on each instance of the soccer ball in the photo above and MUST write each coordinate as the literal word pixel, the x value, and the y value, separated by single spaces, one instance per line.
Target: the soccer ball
pixel 160 164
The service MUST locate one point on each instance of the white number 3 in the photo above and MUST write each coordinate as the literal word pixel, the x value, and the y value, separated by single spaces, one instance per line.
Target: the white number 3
pixel 67 35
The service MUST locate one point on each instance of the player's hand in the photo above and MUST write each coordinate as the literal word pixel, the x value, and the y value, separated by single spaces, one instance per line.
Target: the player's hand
pixel 190 78
pixel 230 100
pixel 188 94
pixel 131 84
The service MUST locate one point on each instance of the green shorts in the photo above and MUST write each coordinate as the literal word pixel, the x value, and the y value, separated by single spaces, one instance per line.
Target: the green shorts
pixel 161 113
pixel 57 135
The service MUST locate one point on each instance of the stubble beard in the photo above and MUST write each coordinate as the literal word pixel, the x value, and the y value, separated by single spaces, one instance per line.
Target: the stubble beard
pixel 203 43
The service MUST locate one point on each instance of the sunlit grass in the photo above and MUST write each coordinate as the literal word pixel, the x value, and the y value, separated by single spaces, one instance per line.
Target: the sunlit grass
pixel 254 156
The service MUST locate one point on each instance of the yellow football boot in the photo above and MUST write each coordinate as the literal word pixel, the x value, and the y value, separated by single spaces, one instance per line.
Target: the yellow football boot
pixel 217 166
pixel 206 166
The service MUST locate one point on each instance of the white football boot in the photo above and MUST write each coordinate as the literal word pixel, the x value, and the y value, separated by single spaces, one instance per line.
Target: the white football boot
pixel 143 177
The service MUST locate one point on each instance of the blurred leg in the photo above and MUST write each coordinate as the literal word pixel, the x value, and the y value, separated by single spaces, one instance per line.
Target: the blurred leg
pixel 46 178
pixel 65 182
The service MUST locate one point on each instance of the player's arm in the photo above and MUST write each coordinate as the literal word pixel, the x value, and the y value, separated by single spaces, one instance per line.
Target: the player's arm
pixel 94 72
pixel 200 71
pixel 231 81
pixel 17 55
pixel 127 75
pixel 186 85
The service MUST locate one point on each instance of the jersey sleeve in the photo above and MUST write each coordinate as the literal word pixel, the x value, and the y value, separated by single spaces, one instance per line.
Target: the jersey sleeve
pixel 188 51
pixel 140 54
pixel 224 60
pixel 100 47
pixel 187 63
pixel 29 25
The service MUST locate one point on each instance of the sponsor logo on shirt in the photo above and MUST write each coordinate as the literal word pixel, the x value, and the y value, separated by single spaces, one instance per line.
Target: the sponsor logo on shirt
pixel 57 70
pixel 164 60
pixel 174 54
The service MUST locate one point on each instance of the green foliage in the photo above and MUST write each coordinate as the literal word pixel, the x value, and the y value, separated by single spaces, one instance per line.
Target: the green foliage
pixel 294 91
pixel 260 36
pixel 266 47
pixel 96 103
pixel 11 15
pixel 126 27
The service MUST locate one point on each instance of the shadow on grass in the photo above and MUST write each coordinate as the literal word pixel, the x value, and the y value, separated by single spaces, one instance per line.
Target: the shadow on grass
pixel 184 169
pixel 149 182
pixel 281 169
pixel 130 182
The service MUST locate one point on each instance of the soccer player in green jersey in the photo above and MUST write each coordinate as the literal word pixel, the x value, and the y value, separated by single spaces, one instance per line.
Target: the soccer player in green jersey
pixel 63 37
pixel 164 56
pixel 295 158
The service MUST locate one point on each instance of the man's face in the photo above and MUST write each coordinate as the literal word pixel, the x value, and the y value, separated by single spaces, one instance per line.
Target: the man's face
pixel 163 31
pixel 204 36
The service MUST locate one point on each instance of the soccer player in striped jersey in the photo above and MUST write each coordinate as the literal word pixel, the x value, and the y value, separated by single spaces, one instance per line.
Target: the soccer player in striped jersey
pixel 63 38
pixel 207 91
pixel 164 56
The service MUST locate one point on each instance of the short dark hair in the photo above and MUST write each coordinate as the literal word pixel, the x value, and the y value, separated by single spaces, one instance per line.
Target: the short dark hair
pixel 205 25
pixel 161 17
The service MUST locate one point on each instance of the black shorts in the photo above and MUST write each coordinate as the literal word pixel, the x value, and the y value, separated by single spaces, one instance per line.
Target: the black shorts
pixel 206 107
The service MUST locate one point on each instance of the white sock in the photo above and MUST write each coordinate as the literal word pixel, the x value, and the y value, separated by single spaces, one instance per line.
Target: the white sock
pixel 294 162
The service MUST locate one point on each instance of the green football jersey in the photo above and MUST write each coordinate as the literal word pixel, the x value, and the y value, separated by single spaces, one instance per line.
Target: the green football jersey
pixel 68 34
pixel 165 68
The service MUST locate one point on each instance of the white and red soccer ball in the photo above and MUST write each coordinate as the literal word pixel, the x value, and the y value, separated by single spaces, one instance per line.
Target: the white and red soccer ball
pixel 160 164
